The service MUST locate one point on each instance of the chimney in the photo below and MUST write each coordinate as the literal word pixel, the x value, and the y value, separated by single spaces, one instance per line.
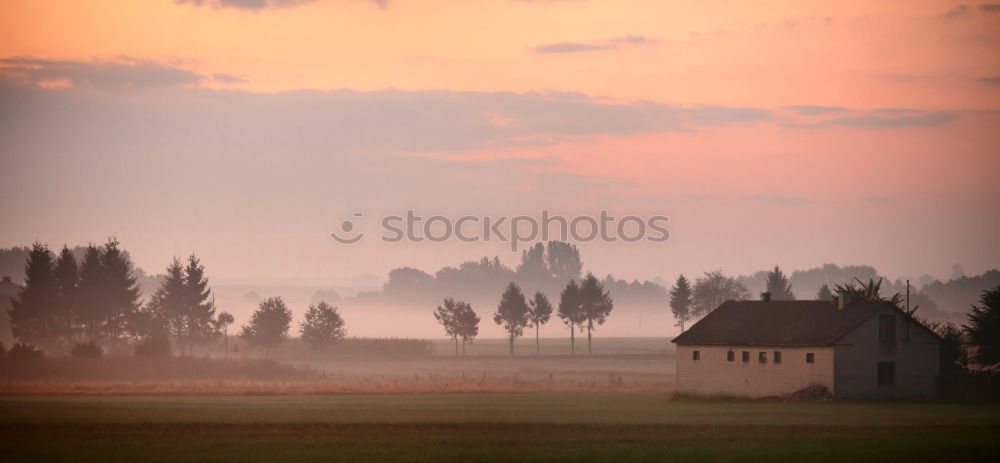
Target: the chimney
pixel 844 300
pixel 6 279
pixel 765 296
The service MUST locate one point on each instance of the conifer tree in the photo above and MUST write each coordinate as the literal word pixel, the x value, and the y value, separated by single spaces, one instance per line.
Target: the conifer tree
pixel 120 290
pixel 681 300
pixel 778 286
pixel 90 303
pixel 32 316
pixel 198 307
pixel 67 276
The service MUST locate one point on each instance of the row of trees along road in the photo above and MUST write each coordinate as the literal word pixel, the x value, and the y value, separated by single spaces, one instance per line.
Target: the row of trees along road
pixel 581 306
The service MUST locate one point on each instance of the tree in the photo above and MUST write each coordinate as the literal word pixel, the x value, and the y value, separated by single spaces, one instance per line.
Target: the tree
pixel 680 301
pixel 323 326
pixel 466 323
pixel 120 291
pixel 166 309
pixel 268 326
pixel 824 294
pixel 711 290
pixel 447 316
pixel 570 311
pixel 90 303
pixel 872 292
pixel 564 261
pixel 198 308
pixel 66 275
pixel 223 320
pixel 596 305
pixel 778 286
pixel 538 315
pixel 512 313
pixel 32 318
pixel 953 355
pixel 983 329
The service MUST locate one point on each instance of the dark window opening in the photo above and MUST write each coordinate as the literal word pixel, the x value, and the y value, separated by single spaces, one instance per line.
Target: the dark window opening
pixel 730 356
pixel 696 355
pixel 886 373
pixel 777 357
pixel 746 357
pixel 810 357
pixel 762 357
pixel 887 328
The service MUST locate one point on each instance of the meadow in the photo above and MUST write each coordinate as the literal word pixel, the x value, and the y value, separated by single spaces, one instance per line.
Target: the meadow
pixel 584 426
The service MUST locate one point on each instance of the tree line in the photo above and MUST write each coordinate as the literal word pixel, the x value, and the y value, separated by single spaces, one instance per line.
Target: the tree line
pixel 66 306
pixel 581 306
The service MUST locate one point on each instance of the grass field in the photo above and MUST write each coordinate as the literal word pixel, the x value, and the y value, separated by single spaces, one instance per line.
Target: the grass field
pixel 488 427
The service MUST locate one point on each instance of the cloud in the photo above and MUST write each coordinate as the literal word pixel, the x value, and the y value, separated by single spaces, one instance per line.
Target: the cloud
pixel 253 5
pixel 119 73
pixel 892 118
pixel 957 11
pixel 607 44
pixel 572 47
pixel 813 110
pixel 992 8
pixel 227 78
pixel 994 80
pixel 782 201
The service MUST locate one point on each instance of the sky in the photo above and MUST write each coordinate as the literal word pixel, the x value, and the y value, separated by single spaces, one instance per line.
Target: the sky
pixel 246 131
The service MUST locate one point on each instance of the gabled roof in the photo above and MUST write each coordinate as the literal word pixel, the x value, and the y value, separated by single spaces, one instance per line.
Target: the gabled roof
pixel 777 323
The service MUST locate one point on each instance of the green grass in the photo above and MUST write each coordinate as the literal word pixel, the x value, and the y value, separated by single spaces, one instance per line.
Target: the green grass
pixel 488 427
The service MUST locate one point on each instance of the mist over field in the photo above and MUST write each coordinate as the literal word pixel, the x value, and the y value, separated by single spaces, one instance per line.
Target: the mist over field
pixel 500 230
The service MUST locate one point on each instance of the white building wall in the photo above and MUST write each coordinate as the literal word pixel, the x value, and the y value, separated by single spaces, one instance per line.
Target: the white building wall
pixel 712 374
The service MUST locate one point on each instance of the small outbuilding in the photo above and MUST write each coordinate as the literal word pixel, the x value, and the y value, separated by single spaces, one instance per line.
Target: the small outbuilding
pixel 774 348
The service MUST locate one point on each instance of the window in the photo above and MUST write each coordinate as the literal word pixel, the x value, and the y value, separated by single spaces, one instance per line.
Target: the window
pixel 730 356
pixel 777 357
pixel 745 357
pixel 762 357
pixel 887 329
pixel 886 373
pixel 696 355
pixel 810 357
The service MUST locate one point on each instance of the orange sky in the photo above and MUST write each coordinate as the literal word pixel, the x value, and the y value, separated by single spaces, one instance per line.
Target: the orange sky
pixel 789 112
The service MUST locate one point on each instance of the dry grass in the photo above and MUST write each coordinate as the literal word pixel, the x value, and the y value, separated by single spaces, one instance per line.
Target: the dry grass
pixel 355 385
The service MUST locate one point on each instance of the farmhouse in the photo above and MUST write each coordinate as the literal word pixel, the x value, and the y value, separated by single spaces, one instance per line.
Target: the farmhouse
pixel 774 348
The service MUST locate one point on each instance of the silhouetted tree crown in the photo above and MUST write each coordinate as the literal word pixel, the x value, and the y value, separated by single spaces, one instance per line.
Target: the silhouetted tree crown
pixel 983 329
pixel 714 288
pixel 570 310
pixel 458 320
pixel 824 294
pixel 539 312
pixel 595 303
pixel 512 313
pixel 322 327
pixel 33 319
pixel 268 326
pixel 778 286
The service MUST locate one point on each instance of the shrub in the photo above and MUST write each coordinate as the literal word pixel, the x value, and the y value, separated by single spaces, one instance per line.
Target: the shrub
pixel 155 345
pixel 88 349
pixel 24 351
